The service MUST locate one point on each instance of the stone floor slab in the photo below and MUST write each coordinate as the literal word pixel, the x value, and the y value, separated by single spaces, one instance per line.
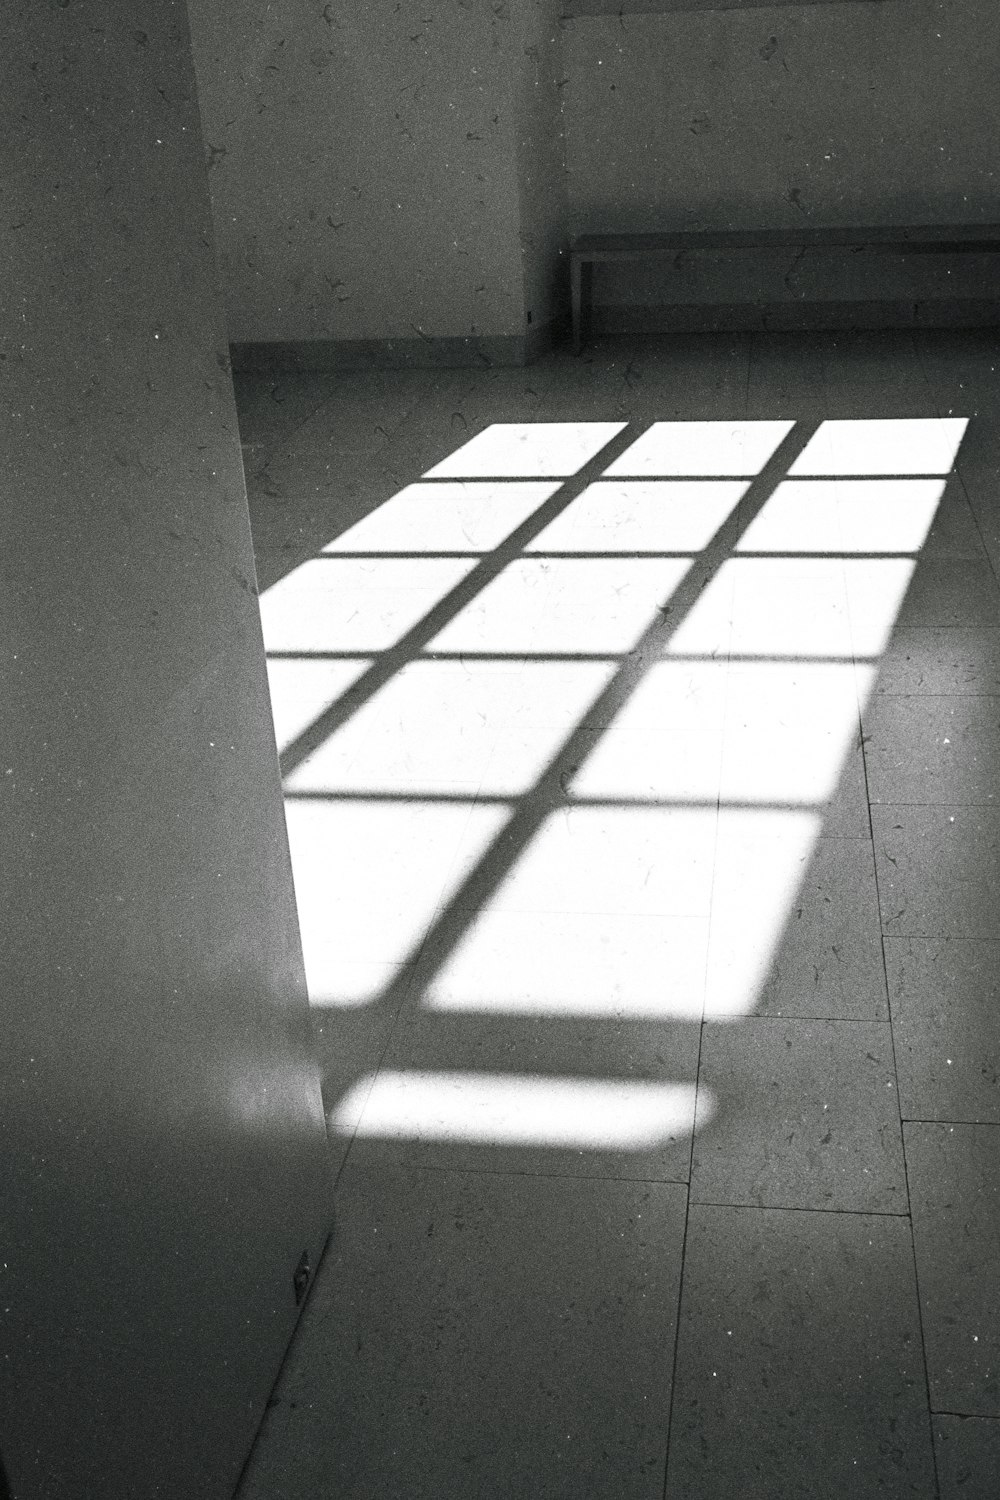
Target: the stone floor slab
pixel 938 870
pixel 933 749
pixel 799 1368
pixel 954 1177
pixel 968 1457
pixel 941 659
pixel 828 964
pixel 798 1114
pixel 945 999
pixel 472 1334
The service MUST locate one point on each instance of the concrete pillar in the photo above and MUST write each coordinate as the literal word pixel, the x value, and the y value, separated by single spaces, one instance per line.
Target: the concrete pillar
pixel 162 1145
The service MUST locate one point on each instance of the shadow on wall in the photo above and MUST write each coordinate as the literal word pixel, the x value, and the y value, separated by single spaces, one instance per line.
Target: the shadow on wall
pixel 570 732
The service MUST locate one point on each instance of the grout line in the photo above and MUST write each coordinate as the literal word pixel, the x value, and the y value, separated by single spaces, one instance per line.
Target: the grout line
pixel 966 1416
pixel 950 802
pixel 920 1315
pixel 792 1208
pixel 562 1176
pixel 895 1067
pixel 909 697
pixel 833 1020
pixel 677 1327
pixel 972 1124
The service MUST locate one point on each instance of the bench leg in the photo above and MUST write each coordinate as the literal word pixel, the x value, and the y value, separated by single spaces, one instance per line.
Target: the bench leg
pixel 576 279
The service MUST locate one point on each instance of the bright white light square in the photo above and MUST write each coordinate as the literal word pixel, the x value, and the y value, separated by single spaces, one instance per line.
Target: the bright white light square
pixel 641 516
pixel 355 604
pixel 846 516
pixel 303 690
pixel 879 445
pixel 876 588
pixel 644 860
pixel 441 726
pixel 572 964
pixel 338 983
pixel 529 450
pixel 708 449
pixel 666 765
pixel 788 607
pixel 369 876
pixel 671 695
pixel 517 1110
pixel 459 517
pixel 761 861
pixel 541 604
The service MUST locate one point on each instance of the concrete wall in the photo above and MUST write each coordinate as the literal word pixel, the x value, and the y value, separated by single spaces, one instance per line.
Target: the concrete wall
pixel 397 171
pixel 541 163
pixel 363 167
pixel 161 1128
pixel 823 114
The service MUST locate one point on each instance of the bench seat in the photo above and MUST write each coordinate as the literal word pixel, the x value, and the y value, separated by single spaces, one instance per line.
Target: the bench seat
pixel 588 249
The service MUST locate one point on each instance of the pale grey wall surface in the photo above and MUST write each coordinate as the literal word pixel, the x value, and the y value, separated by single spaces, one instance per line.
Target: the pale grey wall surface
pixel 831 114
pixel 363 167
pixel 411 172
pixel 860 113
pixel 541 162
pixel 161 1130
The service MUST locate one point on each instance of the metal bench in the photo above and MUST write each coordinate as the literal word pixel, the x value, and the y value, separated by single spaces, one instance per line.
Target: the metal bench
pixel 953 239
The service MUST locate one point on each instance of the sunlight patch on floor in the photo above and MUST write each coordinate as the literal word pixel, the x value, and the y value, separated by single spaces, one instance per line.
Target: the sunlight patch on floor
pixel 664 777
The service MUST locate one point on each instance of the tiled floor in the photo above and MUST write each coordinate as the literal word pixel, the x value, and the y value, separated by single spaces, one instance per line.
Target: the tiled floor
pixel 640 722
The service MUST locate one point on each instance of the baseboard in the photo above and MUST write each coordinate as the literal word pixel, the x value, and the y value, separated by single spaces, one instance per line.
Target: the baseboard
pixel 791 316
pixel 385 354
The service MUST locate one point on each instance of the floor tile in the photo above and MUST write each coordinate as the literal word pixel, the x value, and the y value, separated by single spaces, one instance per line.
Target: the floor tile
pixel 761 859
pixel 302 689
pixel 461 516
pixel 481 1335
pixel 828 962
pixel 941 660
pixel 785 376
pixel 792 735
pixel 874 444
pixel 871 372
pixel 272 406
pixel 954 1176
pixel 667 695
pixel 968 1457
pixel 945 998
pixel 955 531
pixel 370 876
pixel 440 726
pixel 798 1114
pixel 787 607
pixel 360 413
pixel 938 870
pixel 621 765
pixel 940 749
pixel 799 1370
pixel 642 516
pixel 951 591
pixel 708 450
pixel 854 516
pixel 526 450
pixel 573 964
pixel 642 860
pixel 349 1043
pixel 819 767
pixel 355 605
